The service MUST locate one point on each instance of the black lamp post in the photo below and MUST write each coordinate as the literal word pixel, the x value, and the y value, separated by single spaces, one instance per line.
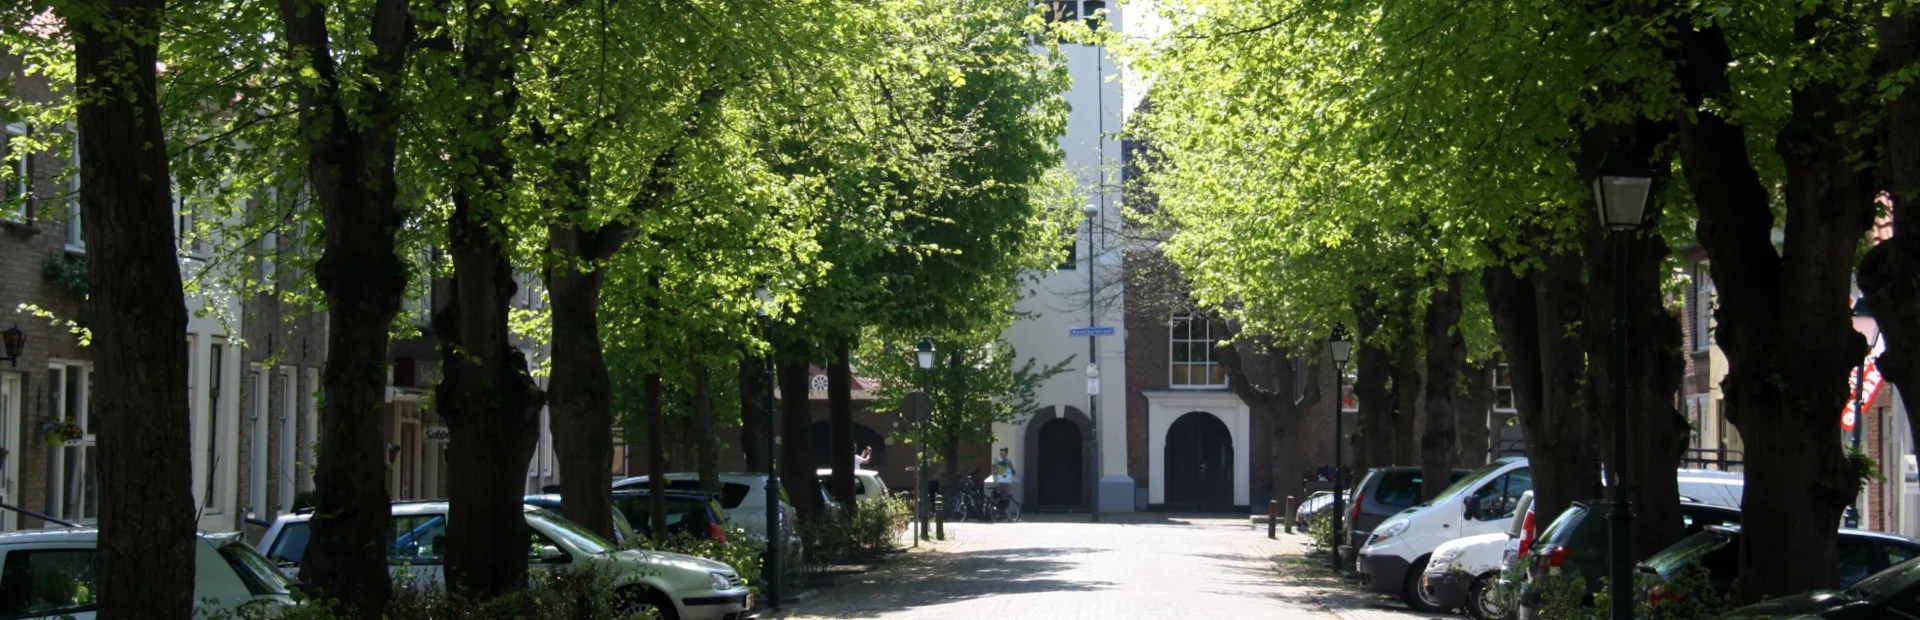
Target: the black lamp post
pixel 1341 347
pixel 15 340
pixel 923 353
pixel 1620 191
pixel 776 532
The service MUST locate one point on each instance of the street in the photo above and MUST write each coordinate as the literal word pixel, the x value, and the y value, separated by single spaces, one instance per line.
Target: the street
pixel 1133 566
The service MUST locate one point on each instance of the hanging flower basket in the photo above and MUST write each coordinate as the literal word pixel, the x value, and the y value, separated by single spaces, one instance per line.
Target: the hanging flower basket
pixel 59 433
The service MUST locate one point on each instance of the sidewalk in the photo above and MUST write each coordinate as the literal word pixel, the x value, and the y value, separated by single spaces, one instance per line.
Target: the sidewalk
pixel 1310 576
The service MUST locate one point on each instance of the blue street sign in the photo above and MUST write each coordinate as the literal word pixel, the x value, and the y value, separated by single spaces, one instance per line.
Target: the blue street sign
pixel 1080 332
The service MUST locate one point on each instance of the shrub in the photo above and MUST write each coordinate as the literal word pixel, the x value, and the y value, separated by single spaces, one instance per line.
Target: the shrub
pixel 550 595
pixel 745 556
pixel 1693 597
pixel 1319 531
pixel 876 527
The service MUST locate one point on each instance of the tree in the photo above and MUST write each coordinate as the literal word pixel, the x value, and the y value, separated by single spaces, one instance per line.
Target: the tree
pixel 140 407
pixel 349 118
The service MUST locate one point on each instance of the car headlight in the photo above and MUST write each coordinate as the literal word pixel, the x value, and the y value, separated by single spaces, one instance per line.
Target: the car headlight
pixel 719 581
pixel 1445 556
pixel 1387 531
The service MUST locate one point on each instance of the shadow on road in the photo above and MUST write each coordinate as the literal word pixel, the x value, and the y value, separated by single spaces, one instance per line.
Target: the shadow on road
pixel 929 579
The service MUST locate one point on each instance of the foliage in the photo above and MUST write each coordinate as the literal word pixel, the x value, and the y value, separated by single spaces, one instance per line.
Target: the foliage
pixel 842 535
pixel 974 385
pixel 1865 467
pixel 740 552
pixel 1690 595
pixel 1320 532
pixel 69 273
pixel 552 595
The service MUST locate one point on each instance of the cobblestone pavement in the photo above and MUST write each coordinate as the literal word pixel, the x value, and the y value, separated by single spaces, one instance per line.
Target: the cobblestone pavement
pixel 1132 566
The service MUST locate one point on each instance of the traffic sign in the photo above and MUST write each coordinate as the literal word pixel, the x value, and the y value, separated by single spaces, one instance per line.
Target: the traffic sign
pixel 1081 332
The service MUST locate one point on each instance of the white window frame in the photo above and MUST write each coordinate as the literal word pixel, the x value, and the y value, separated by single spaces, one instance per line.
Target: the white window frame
pixel 217 430
pixel 1701 314
pixel 76 233
pixel 257 453
pixel 73 508
pixel 1503 389
pixel 307 455
pixel 288 465
pixel 186 224
pixel 1207 366
pixel 12 412
pixel 21 164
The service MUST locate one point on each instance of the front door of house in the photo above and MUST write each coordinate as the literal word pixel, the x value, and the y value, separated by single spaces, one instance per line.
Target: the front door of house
pixel 1199 464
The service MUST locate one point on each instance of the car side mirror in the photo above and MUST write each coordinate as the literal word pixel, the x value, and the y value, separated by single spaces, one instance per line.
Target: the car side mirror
pixel 549 554
pixel 1471 510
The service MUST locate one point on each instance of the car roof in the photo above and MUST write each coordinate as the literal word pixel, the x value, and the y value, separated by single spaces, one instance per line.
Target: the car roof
pixel 857 472
pixel 1848 532
pixel 87 534
pixel 680 494
pixel 1416 469
pixel 407 508
pixel 1507 460
pixel 1712 475
pixel 736 477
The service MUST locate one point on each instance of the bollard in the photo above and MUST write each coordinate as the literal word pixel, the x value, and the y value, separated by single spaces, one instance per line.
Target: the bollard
pixel 1273 517
pixel 940 521
pixel 1289 514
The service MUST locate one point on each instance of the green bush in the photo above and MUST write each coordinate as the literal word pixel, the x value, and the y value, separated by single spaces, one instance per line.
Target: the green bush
pixel 745 556
pixel 1319 531
pixel 1694 598
pixel 877 526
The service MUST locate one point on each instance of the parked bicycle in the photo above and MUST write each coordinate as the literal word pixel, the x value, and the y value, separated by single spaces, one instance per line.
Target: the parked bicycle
pixel 972 501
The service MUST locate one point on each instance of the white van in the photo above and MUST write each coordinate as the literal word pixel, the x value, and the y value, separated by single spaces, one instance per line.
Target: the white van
pixel 1395 555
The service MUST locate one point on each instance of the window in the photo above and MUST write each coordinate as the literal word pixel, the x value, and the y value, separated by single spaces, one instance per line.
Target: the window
pixel 1503 389
pixel 216 355
pixel 289 439
pixel 76 242
pixel 19 181
pixel 1073 254
pixel 417 539
pixel 186 226
pixel 1497 501
pixel 1093 10
pixel 73 489
pixel 257 472
pixel 46 583
pixel 1062 11
pixel 1701 314
pixel 1195 364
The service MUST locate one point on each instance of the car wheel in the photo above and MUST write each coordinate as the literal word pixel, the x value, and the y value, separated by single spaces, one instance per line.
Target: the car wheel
pixel 1484 601
pixel 642 602
pixel 1415 596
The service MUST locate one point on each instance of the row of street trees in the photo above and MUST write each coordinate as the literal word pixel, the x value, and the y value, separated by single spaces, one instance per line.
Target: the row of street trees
pixel 883 168
pixel 1422 170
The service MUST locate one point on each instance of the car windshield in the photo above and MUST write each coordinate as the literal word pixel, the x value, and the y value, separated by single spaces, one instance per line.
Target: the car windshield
pixel 1890 582
pixel 260 575
pixel 291 545
pixel 581 538
pixel 678 509
pixel 1465 484
pixel 1692 549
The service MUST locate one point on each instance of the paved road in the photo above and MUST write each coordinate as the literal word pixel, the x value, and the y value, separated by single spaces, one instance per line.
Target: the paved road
pixel 1063 568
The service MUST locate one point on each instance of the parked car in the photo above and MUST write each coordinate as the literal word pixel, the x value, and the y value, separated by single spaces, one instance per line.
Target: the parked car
pixel 1891 593
pixel 1576 543
pixel 742 495
pixel 1382 493
pixel 1716 549
pixel 1396 553
pixel 49 574
pixel 867 484
pixel 692 514
pixel 676 586
pixel 623 534
pixel 1465 573
pixel 1317 507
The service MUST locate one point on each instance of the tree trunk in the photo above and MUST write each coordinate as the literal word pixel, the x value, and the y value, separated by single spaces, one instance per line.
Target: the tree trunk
pixel 1407 398
pixel 1446 353
pixel 1470 417
pixel 796 445
pixel 350 169
pixel 840 419
pixel 1535 314
pixel 1890 272
pixel 491 406
pixel 656 456
pixel 140 409
pixel 1284 460
pixel 706 450
pixel 581 416
pixel 753 413
pixel 1373 368
pixel 1783 322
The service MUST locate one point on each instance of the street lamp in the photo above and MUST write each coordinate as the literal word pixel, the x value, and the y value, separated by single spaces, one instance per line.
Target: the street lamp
pixel 776 532
pixel 1341 347
pixel 1093 360
pixel 923 353
pixel 1620 191
pixel 15 340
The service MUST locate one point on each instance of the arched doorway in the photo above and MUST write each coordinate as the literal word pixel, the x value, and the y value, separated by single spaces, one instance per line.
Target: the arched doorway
pixel 863 437
pixel 1058 475
pixel 1199 463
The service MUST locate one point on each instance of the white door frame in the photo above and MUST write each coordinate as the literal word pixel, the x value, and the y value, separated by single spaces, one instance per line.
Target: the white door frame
pixel 10 425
